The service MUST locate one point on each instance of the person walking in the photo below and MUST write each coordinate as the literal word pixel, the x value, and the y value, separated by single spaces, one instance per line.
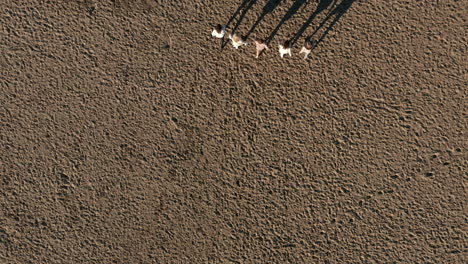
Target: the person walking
pixel 237 40
pixel 218 31
pixel 260 45
pixel 307 48
pixel 285 48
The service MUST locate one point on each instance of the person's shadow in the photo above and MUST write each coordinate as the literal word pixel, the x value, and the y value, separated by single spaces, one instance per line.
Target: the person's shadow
pixel 289 14
pixel 269 7
pixel 243 9
pixel 337 12
pixel 322 6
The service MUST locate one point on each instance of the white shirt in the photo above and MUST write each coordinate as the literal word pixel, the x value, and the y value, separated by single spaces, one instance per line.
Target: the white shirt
pixel 237 41
pixel 306 51
pixel 218 35
pixel 284 51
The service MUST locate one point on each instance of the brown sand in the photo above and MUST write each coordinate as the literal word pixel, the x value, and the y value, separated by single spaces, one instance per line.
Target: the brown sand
pixel 129 136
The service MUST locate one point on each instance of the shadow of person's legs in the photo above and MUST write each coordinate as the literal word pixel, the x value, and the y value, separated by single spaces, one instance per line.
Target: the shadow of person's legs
pixel 243 4
pixel 337 12
pixel 268 8
pixel 322 6
pixel 290 13
pixel 244 12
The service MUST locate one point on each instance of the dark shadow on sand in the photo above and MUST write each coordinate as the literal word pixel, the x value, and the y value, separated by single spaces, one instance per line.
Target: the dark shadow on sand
pixel 337 12
pixel 269 7
pixel 322 6
pixel 289 14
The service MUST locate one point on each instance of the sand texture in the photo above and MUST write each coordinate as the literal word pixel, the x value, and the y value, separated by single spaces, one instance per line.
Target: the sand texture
pixel 128 134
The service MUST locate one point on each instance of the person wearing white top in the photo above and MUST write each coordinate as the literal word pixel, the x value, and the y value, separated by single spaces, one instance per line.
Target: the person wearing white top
pixel 237 40
pixel 218 31
pixel 285 48
pixel 307 48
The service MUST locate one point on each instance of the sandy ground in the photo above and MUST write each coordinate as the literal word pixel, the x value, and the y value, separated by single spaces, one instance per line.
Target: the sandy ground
pixel 129 136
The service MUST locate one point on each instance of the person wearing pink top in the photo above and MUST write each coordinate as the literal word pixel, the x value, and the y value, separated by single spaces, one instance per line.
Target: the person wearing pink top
pixel 260 45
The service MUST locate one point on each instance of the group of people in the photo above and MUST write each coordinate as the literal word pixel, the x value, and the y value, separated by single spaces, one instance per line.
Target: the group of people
pixel 284 48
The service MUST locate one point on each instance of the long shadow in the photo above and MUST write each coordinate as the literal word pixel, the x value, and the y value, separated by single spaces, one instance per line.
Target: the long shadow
pixel 338 12
pixel 243 4
pixel 322 6
pixel 244 7
pixel 268 8
pixel 292 10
